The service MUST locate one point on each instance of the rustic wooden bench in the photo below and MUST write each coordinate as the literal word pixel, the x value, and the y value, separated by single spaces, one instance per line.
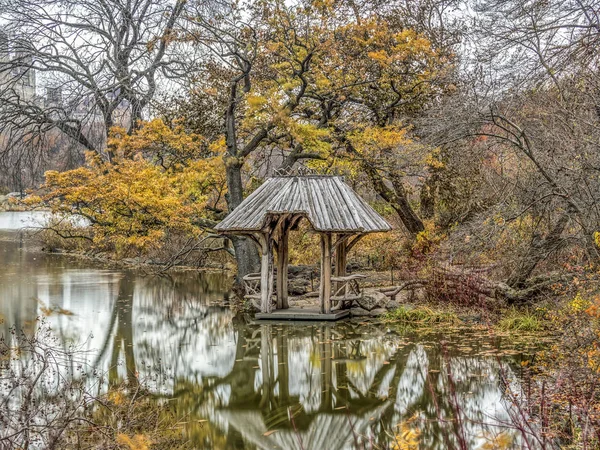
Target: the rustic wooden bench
pixel 252 288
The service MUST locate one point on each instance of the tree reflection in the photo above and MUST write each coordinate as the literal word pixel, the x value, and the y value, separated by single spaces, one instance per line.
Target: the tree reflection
pixel 233 380
pixel 333 387
pixel 123 343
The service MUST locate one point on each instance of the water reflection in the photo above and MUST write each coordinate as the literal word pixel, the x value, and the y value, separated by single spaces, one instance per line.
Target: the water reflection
pixel 14 220
pixel 241 384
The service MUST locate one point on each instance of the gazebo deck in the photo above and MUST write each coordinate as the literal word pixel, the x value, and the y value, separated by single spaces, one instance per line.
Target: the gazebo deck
pixel 303 314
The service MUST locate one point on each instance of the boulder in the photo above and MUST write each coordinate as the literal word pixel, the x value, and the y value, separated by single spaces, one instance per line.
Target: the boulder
pixel 391 305
pixel 303 272
pixel 372 299
pixel 377 312
pixel 358 312
pixel 404 296
pixel 298 286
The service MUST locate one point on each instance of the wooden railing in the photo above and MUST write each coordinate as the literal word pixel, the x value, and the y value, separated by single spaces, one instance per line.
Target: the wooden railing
pixel 346 289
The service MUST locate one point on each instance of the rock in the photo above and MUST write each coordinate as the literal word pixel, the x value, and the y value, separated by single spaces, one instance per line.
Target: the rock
pixel 404 296
pixel 353 267
pixel 372 299
pixel 391 305
pixel 358 312
pixel 303 272
pixel 377 312
pixel 298 286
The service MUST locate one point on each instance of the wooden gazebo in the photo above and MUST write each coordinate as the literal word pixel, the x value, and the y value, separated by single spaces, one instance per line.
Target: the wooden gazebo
pixel 333 210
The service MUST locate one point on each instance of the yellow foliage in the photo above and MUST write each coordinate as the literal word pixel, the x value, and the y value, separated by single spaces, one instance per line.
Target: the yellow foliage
pixel 132 204
pixel 159 143
pixel 432 159
pixel 579 304
pixel 370 63
pixel 373 141
pixel 407 436
pixel 136 442
pixel 427 240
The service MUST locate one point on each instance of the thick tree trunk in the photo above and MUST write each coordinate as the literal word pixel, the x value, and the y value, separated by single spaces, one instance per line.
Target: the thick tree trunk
pixel 396 197
pixel 246 253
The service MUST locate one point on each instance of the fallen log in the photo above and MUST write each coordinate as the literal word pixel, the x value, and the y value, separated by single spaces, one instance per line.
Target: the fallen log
pixel 449 281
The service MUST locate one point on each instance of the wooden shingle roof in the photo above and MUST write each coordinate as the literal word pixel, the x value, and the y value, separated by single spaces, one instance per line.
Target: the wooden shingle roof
pixel 329 204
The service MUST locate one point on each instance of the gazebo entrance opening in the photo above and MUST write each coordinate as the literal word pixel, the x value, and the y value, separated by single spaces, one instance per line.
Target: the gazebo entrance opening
pixel 333 210
pixel 336 290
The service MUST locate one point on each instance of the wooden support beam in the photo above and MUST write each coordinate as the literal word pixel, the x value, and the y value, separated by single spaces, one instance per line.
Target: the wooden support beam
pixel 341 255
pixel 282 268
pixel 354 241
pixel 266 271
pixel 325 287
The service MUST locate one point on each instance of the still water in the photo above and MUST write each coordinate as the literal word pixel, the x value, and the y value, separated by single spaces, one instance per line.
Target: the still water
pixel 352 384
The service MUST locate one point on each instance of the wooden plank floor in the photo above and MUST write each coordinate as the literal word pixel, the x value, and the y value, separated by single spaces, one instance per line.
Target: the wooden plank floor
pixel 302 314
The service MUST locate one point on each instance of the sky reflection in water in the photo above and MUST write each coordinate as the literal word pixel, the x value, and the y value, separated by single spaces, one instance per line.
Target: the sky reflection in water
pixel 235 380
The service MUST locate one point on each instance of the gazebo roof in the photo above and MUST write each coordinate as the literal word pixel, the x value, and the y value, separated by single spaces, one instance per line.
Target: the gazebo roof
pixel 329 204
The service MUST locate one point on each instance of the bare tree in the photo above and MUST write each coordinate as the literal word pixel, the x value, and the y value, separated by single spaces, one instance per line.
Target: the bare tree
pixel 100 61
pixel 528 102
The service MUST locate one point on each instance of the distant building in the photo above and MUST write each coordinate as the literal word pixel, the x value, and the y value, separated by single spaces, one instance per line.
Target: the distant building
pixel 21 76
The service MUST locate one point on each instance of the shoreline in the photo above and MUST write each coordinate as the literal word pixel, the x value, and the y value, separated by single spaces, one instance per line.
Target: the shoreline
pixel 423 313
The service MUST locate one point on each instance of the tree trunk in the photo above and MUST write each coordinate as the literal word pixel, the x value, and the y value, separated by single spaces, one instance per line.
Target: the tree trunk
pixel 396 197
pixel 409 217
pixel 246 254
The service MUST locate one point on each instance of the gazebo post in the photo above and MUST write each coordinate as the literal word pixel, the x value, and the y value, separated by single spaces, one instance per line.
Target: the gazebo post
pixel 341 256
pixel 266 271
pixel 325 286
pixel 282 268
pixel 340 260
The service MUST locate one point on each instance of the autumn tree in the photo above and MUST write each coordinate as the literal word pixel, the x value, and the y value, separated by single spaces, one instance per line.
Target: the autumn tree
pixel 316 81
pixel 164 188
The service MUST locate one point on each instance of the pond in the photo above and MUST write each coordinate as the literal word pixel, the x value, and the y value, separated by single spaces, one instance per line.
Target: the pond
pixel 14 220
pixel 243 384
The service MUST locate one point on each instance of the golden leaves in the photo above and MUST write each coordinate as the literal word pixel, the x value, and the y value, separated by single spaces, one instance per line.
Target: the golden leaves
pixel 168 145
pixel 136 442
pixel 164 185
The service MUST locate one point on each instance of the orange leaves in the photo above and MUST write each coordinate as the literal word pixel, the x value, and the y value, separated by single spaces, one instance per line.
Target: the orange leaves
pixel 134 203
pixel 158 142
